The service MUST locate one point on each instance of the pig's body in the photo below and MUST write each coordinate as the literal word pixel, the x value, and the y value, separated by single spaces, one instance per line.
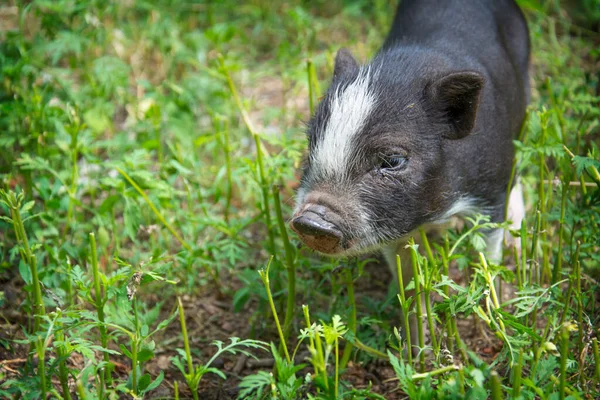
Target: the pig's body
pixel 491 38
pixel 421 133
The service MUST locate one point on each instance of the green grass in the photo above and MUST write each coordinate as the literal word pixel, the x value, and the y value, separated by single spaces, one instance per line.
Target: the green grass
pixel 149 155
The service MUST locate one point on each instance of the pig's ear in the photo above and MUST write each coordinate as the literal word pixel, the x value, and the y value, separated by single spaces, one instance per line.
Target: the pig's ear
pixel 344 63
pixel 456 95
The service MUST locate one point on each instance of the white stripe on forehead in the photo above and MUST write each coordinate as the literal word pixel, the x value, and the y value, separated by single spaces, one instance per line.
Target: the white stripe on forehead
pixel 349 112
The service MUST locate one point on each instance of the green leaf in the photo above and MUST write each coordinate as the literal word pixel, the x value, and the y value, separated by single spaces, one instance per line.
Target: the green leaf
pixel 477 376
pixel 143 382
pixel 216 372
pixel 25 272
pixel 156 382
pixel 583 163
pixel 145 355
pixel 478 242
pixel 27 206
pixel 125 351
pixel 255 385
pixel 163 324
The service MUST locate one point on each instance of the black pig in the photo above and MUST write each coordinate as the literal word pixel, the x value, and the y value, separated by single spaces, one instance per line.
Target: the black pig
pixel 421 133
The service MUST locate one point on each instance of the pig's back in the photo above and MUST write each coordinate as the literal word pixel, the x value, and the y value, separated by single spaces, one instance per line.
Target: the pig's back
pixel 487 36
pixel 490 36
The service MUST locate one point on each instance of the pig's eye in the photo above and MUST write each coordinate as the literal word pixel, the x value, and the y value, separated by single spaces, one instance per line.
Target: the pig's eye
pixel 394 162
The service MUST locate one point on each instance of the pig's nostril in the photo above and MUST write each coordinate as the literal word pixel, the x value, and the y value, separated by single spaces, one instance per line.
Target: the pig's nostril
pixel 312 224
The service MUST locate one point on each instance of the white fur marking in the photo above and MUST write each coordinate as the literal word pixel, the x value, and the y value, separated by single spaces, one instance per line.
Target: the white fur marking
pixel 493 249
pixel 462 206
pixel 349 111
pixel 516 206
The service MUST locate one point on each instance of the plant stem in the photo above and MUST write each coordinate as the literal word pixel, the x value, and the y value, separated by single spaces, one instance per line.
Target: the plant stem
pixel 134 356
pixel 69 290
pixel 431 271
pixel 105 373
pixel 352 319
pixel 518 268
pixel 14 202
pixel 524 251
pixel 265 195
pixel 564 351
pixel 516 376
pixel 72 189
pixel 264 275
pixel 229 189
pixel 461 381
pixel 259 155
pixel 368 349
pixel 404 308
pixel 41 353
pixel 188 354
pixel 596 360
pixel 579 299
pixel 418 302
pixel 425 241
pixel 534 242
pixel 434 342
pixel 337 366
pixel 135 344
pixel 291 266
pixel 317 349
pixel 435 372
pixel 496 386
pixel 561 227
pixel 63 372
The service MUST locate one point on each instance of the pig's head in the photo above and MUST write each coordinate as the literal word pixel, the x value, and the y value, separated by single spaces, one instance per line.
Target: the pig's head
pixel 376 169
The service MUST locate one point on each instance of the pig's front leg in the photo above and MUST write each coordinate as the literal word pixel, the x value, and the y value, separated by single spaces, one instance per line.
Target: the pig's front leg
pixel 493 240
pixel 390 253
pixel 516 214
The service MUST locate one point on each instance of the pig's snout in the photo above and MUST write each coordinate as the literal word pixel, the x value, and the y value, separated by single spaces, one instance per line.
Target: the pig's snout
pixel 318 227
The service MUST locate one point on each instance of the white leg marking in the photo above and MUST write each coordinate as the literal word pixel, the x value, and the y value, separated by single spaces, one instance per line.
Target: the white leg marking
pixel 494 245
pixel 516 206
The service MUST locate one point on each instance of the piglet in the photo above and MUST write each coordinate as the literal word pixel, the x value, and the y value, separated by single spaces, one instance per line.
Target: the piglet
pixel 420 134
